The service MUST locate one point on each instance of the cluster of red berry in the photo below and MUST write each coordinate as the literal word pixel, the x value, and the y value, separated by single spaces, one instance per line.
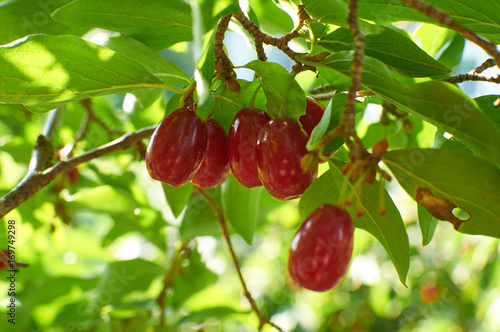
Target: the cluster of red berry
pixel 259 151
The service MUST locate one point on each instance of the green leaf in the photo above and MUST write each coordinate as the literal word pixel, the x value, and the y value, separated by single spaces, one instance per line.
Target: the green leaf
pixel 284 95
pixel 391 47
pixel 124 277
pixel 439 103
pixel 241 207
pixel 158 24
pixel 328 11
pixel 433 38
pixel 20 18
pixel 102 198
pixel 491 111
pixel 427 223
pixel 389 230
pixel 228 103
pixel 42 70
pixel 177 197
pixel 452 55
pixel 330 120
pixel 482 17
pixel 168 72
pixel 194 278
pixel 148 223
pixel 463 180
pixel 199 218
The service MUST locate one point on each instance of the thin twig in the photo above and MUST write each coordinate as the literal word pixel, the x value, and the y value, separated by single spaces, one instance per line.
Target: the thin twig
pixel 444 18
pixel 472 77
pixel 220 55
pixel 168 278
pixel 39 179
pixel 225 234
pixel 87 103
pixel 280 43
pixel 485 65
pixel 259 47
pixel 52 122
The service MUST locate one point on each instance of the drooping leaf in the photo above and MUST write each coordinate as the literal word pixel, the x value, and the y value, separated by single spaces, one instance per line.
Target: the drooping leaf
pixel 443 180
pixel 241 207
pixel 391 47
pixel 168 72
pixel 177 197
pixel 439 103
pixel 46 71
pixel 389 229
pixel 158 24
pixel 427 223
pixel 282 91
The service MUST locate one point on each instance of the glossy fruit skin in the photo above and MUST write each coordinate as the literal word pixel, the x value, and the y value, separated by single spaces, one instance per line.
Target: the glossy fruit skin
pixel 177 147
pixel 281 145
pixel 214 169
pixel 242 141
pixel 321 250
pixel 314 113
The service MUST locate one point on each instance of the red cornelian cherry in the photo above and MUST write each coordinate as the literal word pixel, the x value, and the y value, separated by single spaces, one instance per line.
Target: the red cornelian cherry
pixel 242 139
pixel 281 145
pixel 214 169
pixel 314 113
pixel 321 250
pixel 177 147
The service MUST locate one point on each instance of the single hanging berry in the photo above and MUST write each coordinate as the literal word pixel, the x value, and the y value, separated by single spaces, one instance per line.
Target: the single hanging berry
pixel 214 169
pixel 321 250
pixel 177 147
pixel 242 140
pixel 281 145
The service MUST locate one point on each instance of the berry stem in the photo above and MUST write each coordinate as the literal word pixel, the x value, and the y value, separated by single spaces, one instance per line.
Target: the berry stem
pixel 254 96
pixel 225 234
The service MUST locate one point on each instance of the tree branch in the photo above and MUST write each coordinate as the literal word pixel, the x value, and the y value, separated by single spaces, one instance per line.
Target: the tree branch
pixel 346 128
pixel 225 234
pixel 38 179
pixel 259 36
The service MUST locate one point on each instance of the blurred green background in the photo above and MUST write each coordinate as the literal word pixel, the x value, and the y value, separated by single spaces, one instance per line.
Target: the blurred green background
pixel 99 250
